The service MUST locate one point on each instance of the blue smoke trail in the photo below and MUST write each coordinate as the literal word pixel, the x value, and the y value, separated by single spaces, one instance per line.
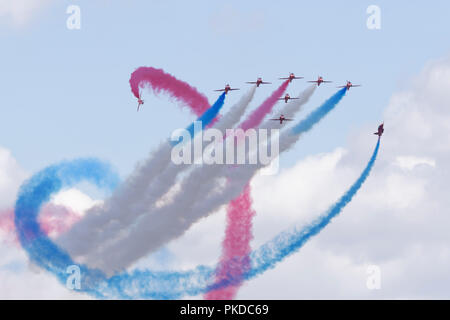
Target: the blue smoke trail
pixel 287 242
pixel 144 283
pixel 206 118
pixel 319 113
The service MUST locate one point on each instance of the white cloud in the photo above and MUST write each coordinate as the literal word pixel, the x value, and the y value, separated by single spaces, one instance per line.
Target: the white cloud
pixel 410 163
pixel 75 200
pixel 19 12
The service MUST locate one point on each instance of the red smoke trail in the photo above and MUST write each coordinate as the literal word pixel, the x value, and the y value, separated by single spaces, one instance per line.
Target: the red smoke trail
pixel 159 81
pixel 266 107
pixel 238 233
pixel 235 245
pixel 54 220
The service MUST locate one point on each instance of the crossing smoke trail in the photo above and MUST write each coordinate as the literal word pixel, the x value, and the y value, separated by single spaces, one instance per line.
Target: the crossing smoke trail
pixel 158 186
pixel 81 238
pixel 144 284
pixel 197 200
pixel 158 222
pixel 239 223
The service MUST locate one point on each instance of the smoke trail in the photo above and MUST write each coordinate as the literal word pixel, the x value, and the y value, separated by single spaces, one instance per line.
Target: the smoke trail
pixel 149 222
pixel 54 220
pixel 258 115
pixel 239 221
pixel 143 283
pixel 158 80
pixel 158 185
pixel 208 116
pixel 236 244
pixel 81 238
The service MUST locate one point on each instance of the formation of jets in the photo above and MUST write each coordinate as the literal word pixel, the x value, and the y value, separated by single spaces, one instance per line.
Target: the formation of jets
pixel 291 77
pixel 287 97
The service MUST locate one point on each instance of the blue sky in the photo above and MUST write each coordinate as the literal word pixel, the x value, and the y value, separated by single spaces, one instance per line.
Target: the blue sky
pixel 65 93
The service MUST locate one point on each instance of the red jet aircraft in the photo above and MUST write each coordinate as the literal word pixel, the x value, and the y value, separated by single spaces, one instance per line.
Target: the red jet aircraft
pixel 287 97
pixel 291 77
pixel 227 88
pixel 319 81
pixel 140 101
pixel 281 119
pixel 349 85
pixel 258 82
pixel 380 130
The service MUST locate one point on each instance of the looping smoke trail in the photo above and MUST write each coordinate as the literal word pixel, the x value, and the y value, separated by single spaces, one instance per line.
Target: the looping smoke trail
pixel 128 196
pixel 158 80
pixel 144 283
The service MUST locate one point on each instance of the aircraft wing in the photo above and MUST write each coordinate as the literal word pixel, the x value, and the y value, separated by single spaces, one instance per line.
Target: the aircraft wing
pixel 356 85
pixel 288 119
pixel 284 78
pixel 233 89
pixel 220 90
pixel 252 82
pixel 294 98
pixel 315 81
pixel 341 86
pixel 298 77
pixel 265 82
pixel 326 81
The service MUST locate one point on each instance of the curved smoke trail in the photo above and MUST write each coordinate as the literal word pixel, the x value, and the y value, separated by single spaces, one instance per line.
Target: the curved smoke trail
pixel 144 283
pixel 81 238
pixel 158 185
pixel 158 80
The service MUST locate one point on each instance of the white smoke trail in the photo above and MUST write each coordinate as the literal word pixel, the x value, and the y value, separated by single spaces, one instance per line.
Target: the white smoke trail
pixel 202 193
pixel 137 197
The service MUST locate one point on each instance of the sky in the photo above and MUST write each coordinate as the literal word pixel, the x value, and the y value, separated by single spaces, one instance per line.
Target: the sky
pixel 65 94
